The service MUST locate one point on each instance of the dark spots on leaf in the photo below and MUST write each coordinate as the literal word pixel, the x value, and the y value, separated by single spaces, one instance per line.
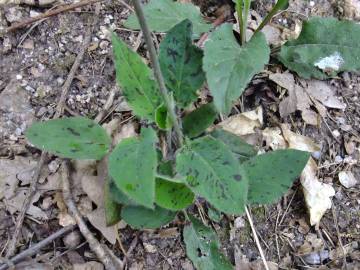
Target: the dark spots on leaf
pixel 74 150
pixel 237 177
pixel 91 125
pixel 291 171
pixel 73 132
pixel 226 162
pixel 172 53
pixel 285 186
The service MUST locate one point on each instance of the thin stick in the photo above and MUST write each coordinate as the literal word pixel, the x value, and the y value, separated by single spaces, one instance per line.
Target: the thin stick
pixel 47 14
pixel 94 244
pixel 256 239
pixel 35 248
pixel 157 71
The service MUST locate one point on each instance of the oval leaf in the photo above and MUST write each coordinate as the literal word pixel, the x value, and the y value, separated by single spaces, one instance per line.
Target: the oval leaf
pixel 118 196
pixel 132 166
pixel 229 67
pixel 136 80
pixel 202 247
pixel 181 63
pixel 212 171
pixel 173 196
pixel 324 48
pixel 199 120
pixel 162 15
pixel 74 137
pixel 139 217
pixel 272 174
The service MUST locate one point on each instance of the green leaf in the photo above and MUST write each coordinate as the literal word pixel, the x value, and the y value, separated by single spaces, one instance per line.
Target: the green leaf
pixel 212 171
pixel 229 67
pixel 324 48
pixel 136 80
pixel 162 118
pixel 162 15
pixel 241 149
pixel 118 196
pixel 139 217
pixel 202 247
pixel 132 165
pixel 74 137
pixel 173 196
pixel 112 208
pixel 272 174
pixel 199 120
pixel 181 64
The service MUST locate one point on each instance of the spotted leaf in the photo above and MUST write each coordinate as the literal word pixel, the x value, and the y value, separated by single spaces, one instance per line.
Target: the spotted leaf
pixel 74 137
pixel 132 166
pixel 202 247
pixel 181 63
pixel 212 171
pixel 272 174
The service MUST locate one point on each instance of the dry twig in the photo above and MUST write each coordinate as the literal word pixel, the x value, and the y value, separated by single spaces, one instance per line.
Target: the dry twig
pixel 101 252
pixel 256 238
pixel 35 248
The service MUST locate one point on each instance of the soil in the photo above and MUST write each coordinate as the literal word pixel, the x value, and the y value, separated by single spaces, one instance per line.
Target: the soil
pixel 38 59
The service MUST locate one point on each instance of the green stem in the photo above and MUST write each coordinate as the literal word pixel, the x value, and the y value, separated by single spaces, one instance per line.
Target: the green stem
pixel 239 11
pixel 170 106
pixel 247 4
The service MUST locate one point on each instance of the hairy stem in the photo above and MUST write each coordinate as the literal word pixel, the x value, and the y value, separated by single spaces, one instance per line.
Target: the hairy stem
pixel 170 106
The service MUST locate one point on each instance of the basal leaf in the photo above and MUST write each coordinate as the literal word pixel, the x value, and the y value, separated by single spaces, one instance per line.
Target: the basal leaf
pixel 199 120
pixel 173 196
pixel 139 217
pixel 74 137
pixel 162 15
pixel 136 80
pixel 229 67
pixel 132 166
pixel 112 208
pixel 324 48
pixel 212 171
pixel 214 214
pixel 241 149
pixel 181 63
pixel 202 247
pixel 272 174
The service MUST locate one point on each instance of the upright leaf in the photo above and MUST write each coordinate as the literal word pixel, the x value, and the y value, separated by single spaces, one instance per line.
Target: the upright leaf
pixel 212 171
pixel 132 166
pixel 202 247
pixel 229 67
pixel 199 120
pixel 272 174
pixel 162 118
pixel 74 137
pixel 173 196
pixel 181 63
pixel 139 217
pixel 241 149
pixel 136 80
pixel 162 15
pixel 324 48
